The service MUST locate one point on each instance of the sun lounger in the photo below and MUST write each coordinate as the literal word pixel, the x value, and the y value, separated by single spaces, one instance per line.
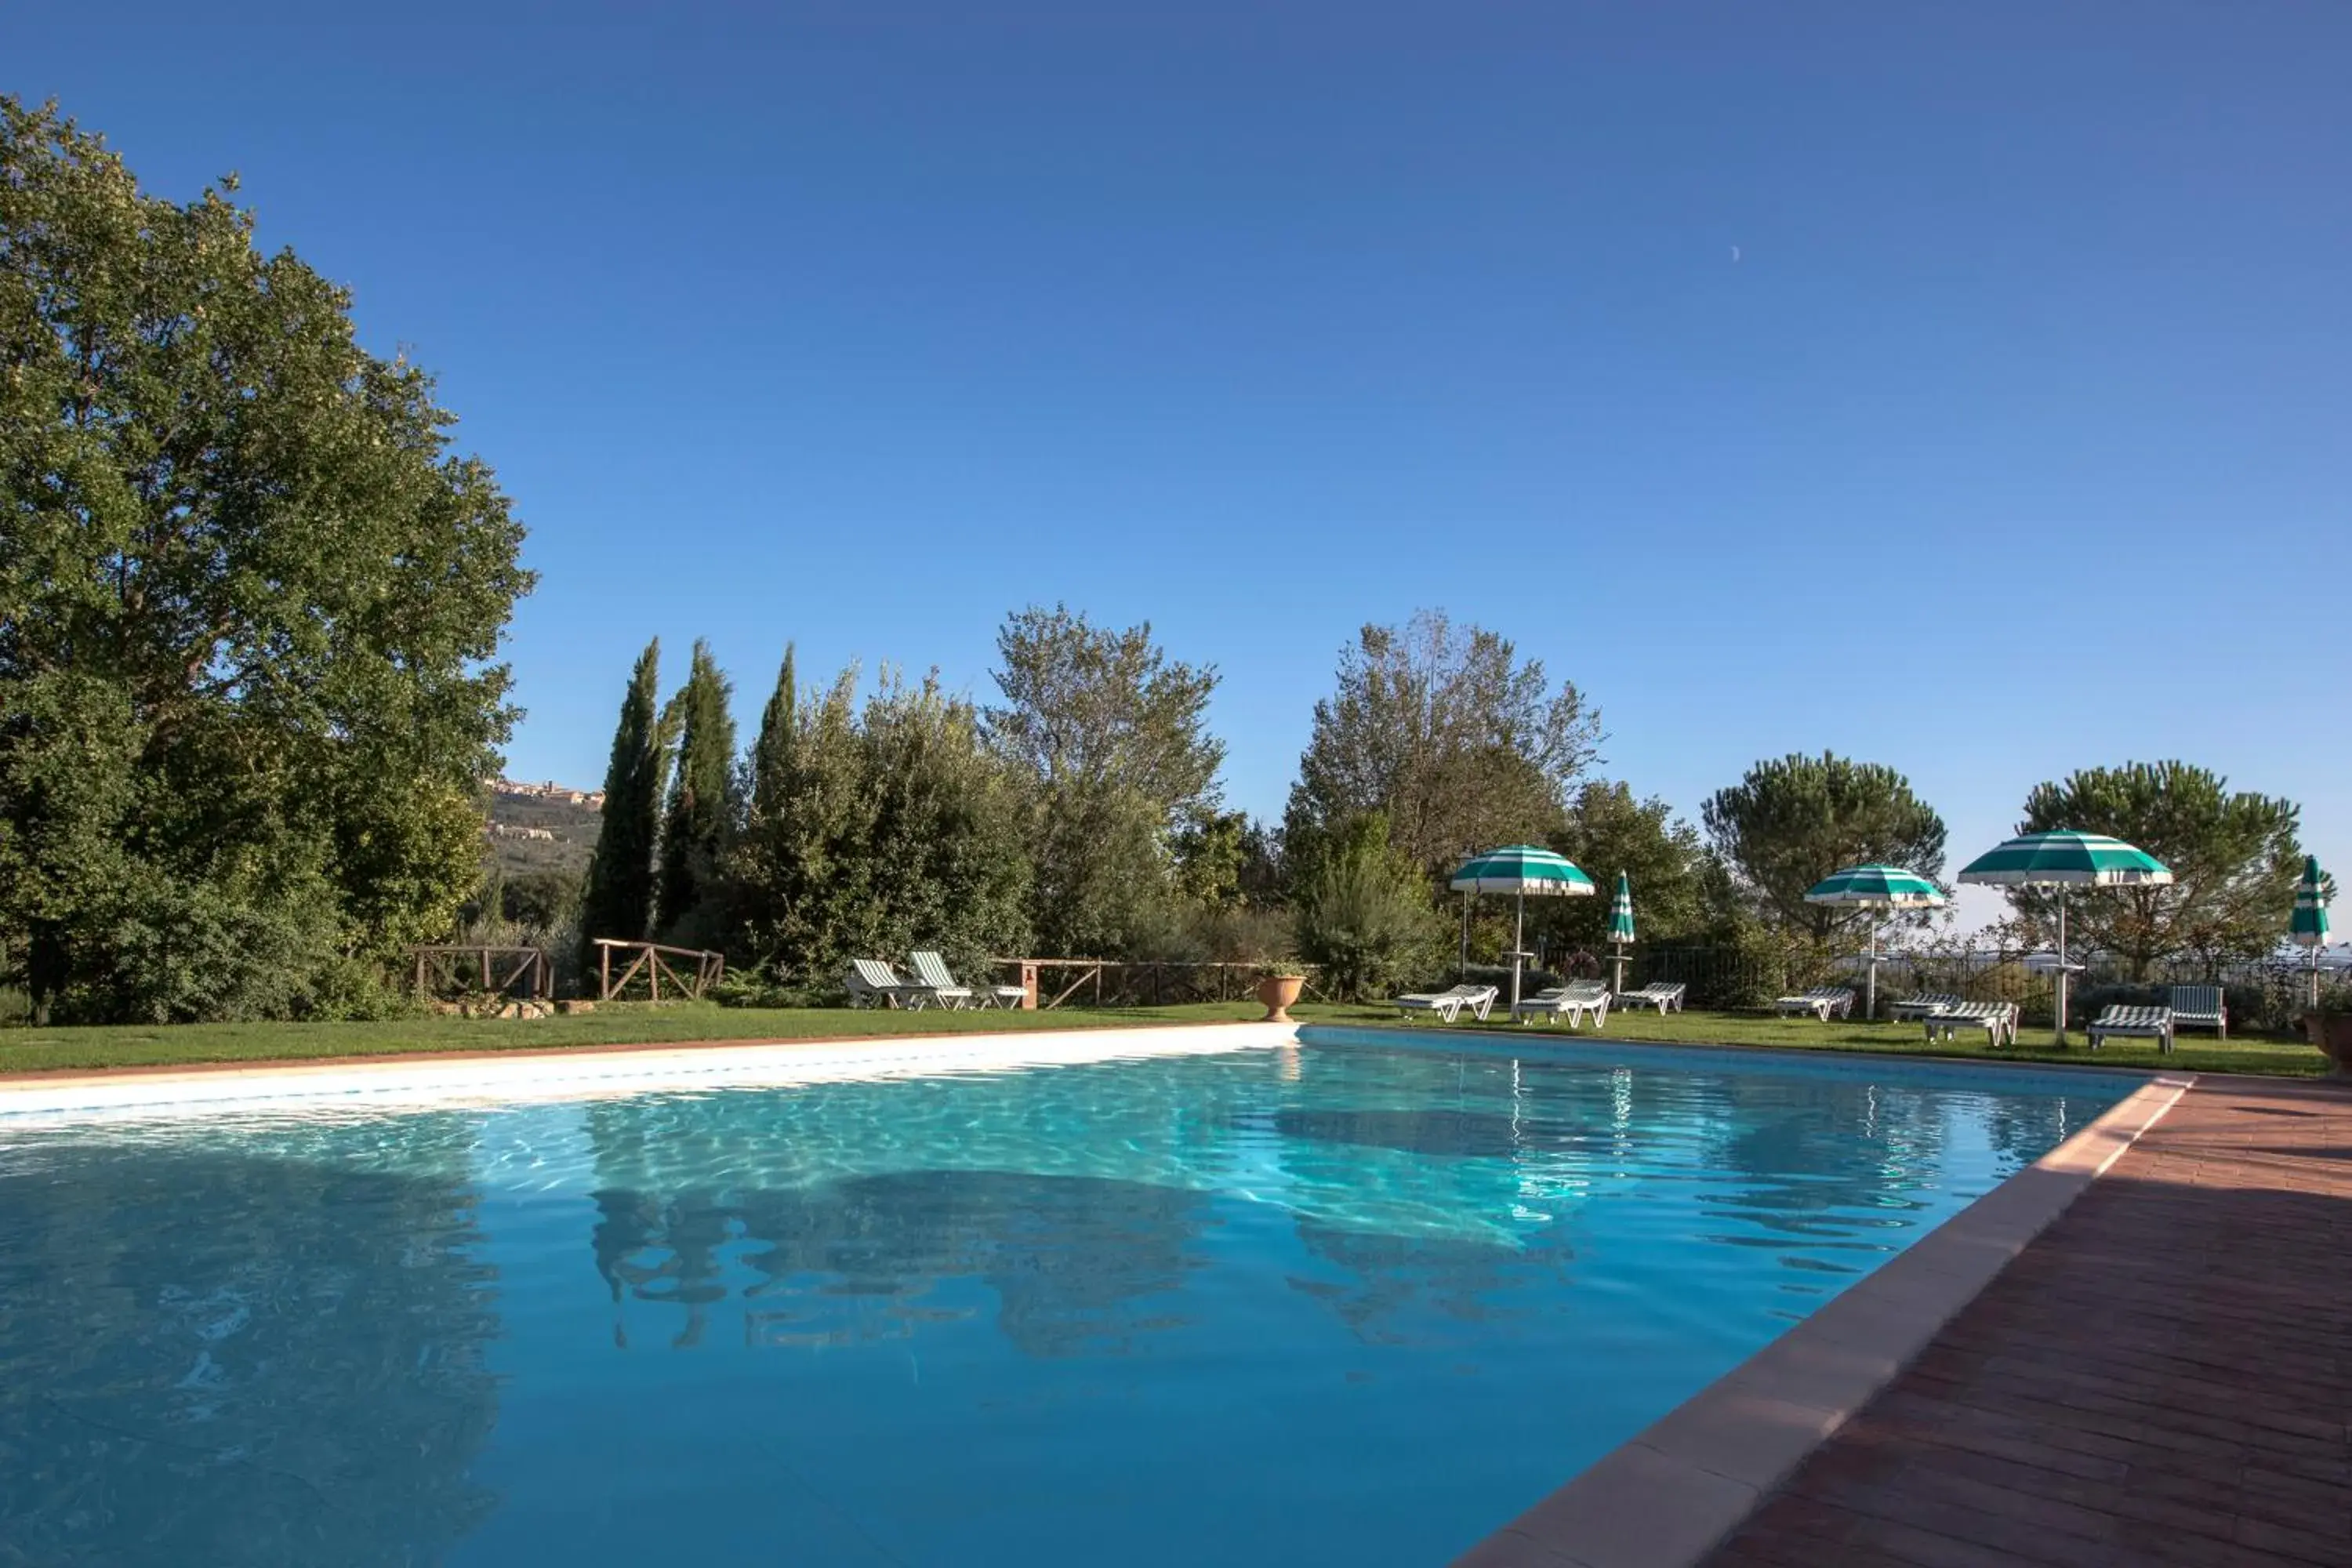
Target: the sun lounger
pixel 1911 1009
pixel 1821 1000
pixel 1997 1020
pixel 873 982
pixel 1572 1003
pixel 1448 1004
pixel 1657 994
pixel 2144 1022
pixel 932 971
pixel 2199 1007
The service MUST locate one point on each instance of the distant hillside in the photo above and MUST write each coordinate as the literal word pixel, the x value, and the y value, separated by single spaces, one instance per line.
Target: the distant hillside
pixel 517 819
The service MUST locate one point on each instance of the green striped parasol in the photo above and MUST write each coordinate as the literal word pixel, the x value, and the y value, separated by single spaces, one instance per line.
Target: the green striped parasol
pixel 2062 860
pixel 1620 910
pixel 1520 870
pixel 1621 924
pixel 2307 927
pixel 1875 888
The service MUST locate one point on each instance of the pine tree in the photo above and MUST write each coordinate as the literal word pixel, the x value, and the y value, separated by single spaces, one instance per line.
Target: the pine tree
pixel 619 899
pixel 702 819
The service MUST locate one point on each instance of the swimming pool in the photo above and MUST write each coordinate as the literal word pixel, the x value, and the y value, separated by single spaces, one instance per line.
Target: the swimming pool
pixel 1362 1299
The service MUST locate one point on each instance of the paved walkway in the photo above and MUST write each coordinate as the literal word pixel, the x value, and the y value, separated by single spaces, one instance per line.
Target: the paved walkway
pixel 2165 1376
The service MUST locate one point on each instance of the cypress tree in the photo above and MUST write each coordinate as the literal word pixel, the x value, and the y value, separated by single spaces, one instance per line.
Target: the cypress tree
pixel 618 901
pixel 771 753
pixel 700 822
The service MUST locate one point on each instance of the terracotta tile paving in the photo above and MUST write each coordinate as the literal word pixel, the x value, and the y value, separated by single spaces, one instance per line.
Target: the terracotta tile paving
pixel 2164 1377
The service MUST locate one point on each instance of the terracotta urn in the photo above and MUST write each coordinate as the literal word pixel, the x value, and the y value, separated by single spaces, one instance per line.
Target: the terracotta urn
pixel 2332 1033
pixel 1278 992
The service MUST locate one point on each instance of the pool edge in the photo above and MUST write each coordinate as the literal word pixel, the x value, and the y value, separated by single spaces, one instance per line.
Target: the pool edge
pixel 1677 1489
pixel 581 1073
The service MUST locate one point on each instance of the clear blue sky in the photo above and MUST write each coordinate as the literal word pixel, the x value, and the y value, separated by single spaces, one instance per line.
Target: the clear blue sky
pixel 1967 388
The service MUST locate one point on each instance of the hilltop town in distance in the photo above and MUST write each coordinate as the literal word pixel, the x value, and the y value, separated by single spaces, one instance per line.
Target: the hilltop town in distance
pixel 543 826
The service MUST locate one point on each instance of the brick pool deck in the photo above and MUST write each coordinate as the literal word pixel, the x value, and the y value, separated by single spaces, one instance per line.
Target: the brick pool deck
pixel 2163 1376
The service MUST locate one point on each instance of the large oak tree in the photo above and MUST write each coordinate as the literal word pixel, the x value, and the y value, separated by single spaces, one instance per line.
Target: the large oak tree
pixel 250 601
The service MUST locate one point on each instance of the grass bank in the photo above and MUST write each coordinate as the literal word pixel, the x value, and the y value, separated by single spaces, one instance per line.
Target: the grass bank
pixel 51 1050
pixel 2193 1053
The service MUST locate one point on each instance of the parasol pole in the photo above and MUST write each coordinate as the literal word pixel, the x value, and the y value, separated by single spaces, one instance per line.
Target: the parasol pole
pixel 1518 941
pixel 2061 964
pixel 1870 985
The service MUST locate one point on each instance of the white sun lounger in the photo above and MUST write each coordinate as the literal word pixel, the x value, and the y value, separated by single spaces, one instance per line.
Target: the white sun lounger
pixel 1665 997
pixel 874 982
pixel 1573 1002
pixel 1997 1020
pixel 2143 1023
pixel 1448 1004
pixel 1821 1000
pixel 932 971
pixel 1911 1009
pixel 2199 1007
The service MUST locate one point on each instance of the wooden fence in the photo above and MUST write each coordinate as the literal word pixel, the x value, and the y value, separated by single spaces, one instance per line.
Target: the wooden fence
pixel 442 970
pixel 1116 983
pixel 652 963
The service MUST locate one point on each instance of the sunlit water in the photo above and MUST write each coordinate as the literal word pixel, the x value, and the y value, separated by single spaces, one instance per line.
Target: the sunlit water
pixel 1344 1304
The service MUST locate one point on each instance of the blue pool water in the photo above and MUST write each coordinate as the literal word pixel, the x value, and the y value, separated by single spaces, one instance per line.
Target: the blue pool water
pixel 1350 1302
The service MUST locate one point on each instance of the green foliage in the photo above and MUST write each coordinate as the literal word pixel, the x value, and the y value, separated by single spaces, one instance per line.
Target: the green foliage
pixel 618 901
pixel 945 834
pixel 2234 856
pixel 870 833
pixel 1107 741
pixel 1211 856
pixel 1218 933
pixel 1608 831
pixel 248 603
pixel 1444 731
pixel 1364 914
pixel 758 986
pixel 700 824
pixel 1792 822
pixel 798 879
pixel 768 770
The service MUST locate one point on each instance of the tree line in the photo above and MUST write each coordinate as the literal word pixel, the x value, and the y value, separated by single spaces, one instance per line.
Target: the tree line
pixel 1081 815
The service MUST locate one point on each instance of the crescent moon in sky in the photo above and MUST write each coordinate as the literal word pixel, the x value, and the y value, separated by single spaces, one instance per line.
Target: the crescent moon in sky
pixel 1735 253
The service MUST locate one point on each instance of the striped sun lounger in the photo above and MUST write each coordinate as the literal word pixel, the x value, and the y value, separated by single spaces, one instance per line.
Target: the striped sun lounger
pixel 1911 1009
pixel 2143 1023
pixel 1658 994
pixel 1448 1004
pixel 2199 1007
pixel 1821 1000
pixel 873 982
pixel 932 970
pixel 1572 1003
pixel 1997 1020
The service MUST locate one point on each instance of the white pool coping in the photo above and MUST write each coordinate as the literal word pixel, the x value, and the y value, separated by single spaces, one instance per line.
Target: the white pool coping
pixel 1680 1488
pixel 538 1076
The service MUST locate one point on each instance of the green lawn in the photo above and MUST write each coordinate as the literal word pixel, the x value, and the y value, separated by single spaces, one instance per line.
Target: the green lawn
pixel 2195 1053
pixel 36 1051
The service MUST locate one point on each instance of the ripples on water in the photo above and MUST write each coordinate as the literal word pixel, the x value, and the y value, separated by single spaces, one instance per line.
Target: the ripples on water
pixel 1339 1302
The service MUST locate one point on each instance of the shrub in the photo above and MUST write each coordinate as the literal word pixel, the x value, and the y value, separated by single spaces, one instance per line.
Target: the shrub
pixel 1364 919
